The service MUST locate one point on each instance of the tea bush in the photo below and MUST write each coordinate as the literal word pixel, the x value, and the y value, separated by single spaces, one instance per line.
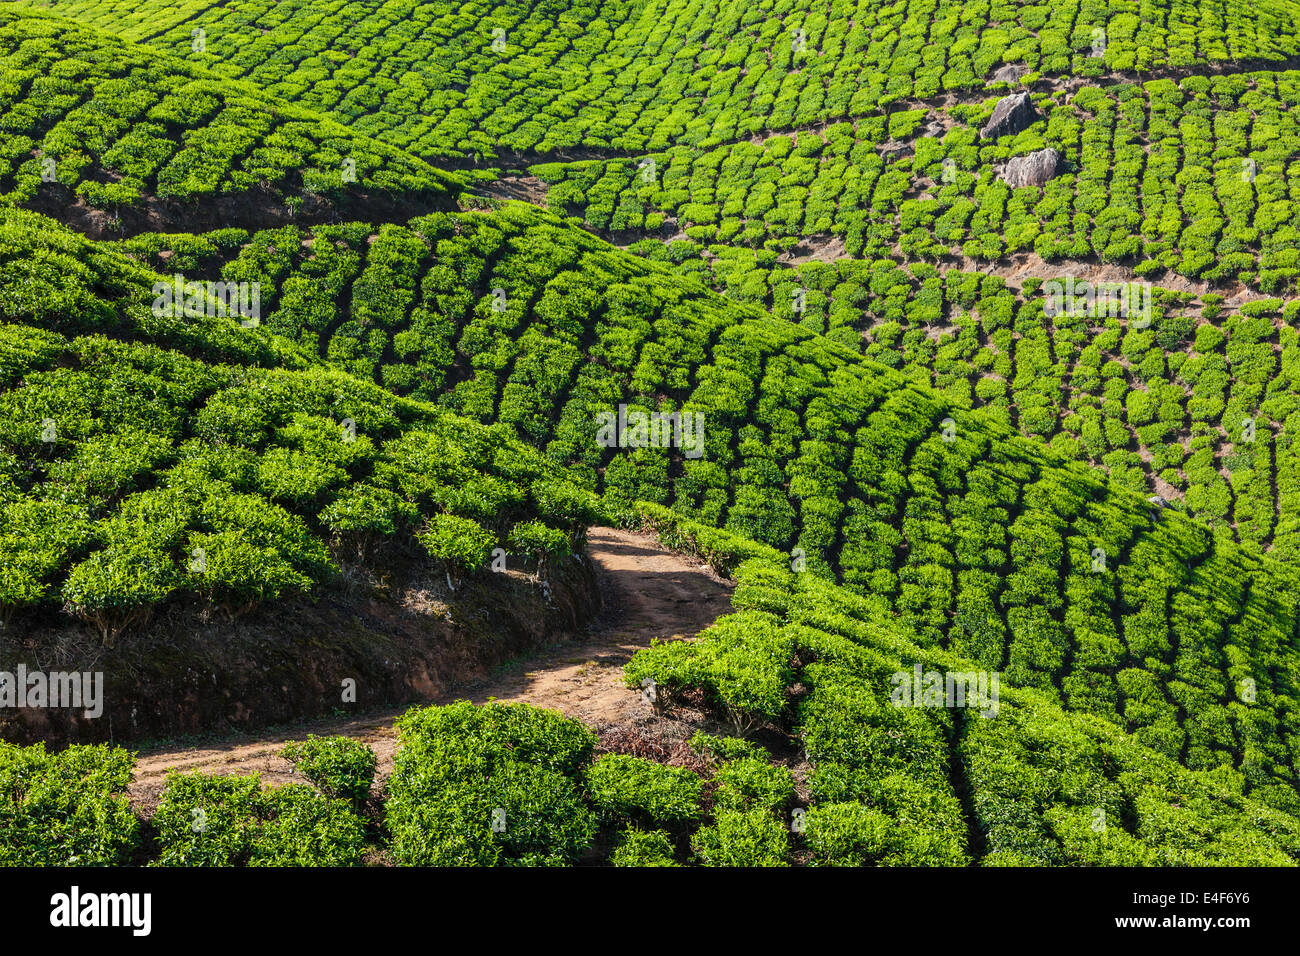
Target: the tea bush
pixel 621 786
pixel 340 766
pixel 753 783
pixel 642 848
pixel 490 785
pixel 207 820
pixel 67 808
pixel 742 838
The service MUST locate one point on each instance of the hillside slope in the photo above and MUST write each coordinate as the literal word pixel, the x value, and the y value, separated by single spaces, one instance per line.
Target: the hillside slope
pixel 1180 174
pixel 981 541
pixel 179 464
pixel 445 79
pixel 372 421
pixel 117 138
pixel 802 667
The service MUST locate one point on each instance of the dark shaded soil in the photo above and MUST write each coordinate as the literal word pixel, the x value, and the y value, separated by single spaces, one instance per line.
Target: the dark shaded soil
pixel 185 674
pixel 251 210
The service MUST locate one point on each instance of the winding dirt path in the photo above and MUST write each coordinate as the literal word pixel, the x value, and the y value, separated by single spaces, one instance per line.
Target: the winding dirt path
pixel 650 592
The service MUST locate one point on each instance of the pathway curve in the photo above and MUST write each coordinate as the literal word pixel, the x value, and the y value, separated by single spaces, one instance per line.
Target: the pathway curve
pixel 649 591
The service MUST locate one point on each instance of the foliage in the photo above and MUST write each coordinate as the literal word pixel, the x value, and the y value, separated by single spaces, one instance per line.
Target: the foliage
pixel 121 123
pixel 643 848
pixel 622 786
pixel 742 838
pixel 611 74
pixel 340 766
pixel 152 463
pixel 66 809
pixel 205 820
pixel 491 785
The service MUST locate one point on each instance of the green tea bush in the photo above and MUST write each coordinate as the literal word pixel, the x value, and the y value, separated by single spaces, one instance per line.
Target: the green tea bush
pixel 539 543
pixel 742 838
pixel 205 820
pixel 626 787
pixel 118 587
pixel 848 834
pixel 644 848
pixel 68 808
pixel 722 748
pixel 753 783
pixel 459 544
pixel 491 785
pixel 363 514
pixel 340 766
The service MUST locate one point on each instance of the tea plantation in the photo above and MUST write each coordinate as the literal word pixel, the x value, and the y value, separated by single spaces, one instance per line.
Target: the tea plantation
pixel 788 224
pixel 461 80
pixel 145 457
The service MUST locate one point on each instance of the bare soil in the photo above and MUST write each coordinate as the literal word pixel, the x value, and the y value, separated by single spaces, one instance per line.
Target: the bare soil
pixel 382 635
pixel 648 593
pixel 514 186
pixel 251 210
pixel 822 248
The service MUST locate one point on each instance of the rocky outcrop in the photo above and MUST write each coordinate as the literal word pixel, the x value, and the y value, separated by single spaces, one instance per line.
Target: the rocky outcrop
pixel 1011 73
pixel 1012 114
pixel 893 152
pixel 1033 169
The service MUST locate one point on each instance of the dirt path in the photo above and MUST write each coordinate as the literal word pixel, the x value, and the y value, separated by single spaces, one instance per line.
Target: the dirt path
pixel 649 592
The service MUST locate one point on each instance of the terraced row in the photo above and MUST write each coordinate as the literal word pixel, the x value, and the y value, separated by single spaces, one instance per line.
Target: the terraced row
pixel 1186 397
pixel 1004 778
pixel 114 124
